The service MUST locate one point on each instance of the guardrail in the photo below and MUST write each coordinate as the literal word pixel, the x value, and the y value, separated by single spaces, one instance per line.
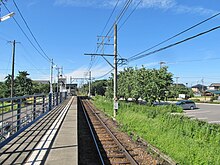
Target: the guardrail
pixel 18 112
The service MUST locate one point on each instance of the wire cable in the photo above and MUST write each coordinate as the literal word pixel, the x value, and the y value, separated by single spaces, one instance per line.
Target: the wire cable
pixel 127 4
pixel 49 60
pixel 105 74
pixel 30 30
pixel 110 17
pixel 130 14
pixel 184 31
pixel 171 45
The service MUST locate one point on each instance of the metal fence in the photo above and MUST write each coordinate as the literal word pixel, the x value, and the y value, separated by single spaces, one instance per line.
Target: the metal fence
pixel 18 112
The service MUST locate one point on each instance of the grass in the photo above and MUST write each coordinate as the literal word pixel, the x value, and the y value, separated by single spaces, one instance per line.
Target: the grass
pixel 185 141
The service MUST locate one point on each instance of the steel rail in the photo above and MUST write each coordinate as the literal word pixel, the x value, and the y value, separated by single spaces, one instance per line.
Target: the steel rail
pixel 92 132
pixel 126 153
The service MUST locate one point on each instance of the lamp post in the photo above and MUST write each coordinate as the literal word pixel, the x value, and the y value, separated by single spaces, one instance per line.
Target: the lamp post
pixel 7 16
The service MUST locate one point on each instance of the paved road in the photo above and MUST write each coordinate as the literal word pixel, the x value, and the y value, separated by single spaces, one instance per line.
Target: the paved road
pixel 206 112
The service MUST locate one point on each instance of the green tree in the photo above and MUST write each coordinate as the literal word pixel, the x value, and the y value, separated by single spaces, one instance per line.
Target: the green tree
pixel 148 84
pixel 23 84
pixel 40 88
pixel 98 87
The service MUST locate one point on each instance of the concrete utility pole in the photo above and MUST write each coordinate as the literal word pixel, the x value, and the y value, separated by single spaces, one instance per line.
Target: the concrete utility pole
pixel 13 69
pixel 115 55
pixel 89 84
pixel 58 75
pixel 51 77
pixel 115 71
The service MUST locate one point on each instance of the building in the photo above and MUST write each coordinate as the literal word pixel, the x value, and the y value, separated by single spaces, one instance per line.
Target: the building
pixel 199 89
pixel 214 86
pixel 71 89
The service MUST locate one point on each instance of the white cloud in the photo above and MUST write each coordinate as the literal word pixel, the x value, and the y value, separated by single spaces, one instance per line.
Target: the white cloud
pixel 96 72
pixel 194 10
pixel 163 4
pixel 2 77
pixel 157 4
pixel 111 3
pixel 86 3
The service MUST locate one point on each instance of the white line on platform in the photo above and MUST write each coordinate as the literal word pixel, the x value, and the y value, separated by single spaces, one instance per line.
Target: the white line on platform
pixel 42 147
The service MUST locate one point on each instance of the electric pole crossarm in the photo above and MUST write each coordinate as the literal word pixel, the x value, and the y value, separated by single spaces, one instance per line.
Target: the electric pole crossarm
pixel 104 44
pixel 87 54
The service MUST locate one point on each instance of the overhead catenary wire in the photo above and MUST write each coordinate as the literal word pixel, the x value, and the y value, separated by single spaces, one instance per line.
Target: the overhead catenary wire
pixel 176 35
pixel 104 74
pixel 19 11
pixel 92 61
pixel 130 14
pixel 171 45
pixel 30 61
pixel 93 58
pixel 118 19
pixel 120 15
pixel 46 58
pixel 116 4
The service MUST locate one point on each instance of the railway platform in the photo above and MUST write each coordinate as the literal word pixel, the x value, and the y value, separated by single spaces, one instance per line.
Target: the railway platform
pixel 50 140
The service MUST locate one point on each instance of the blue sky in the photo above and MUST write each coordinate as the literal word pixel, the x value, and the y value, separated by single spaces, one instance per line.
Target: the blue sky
pixel 66 29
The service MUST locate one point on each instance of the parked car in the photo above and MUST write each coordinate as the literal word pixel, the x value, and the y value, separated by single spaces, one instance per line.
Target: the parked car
pixel 187 104
pixel 156 103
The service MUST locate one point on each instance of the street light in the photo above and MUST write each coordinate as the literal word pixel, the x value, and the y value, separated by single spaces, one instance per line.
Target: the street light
pixel 7 16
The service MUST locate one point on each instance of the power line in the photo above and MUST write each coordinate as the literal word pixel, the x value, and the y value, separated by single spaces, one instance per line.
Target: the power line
pixel 105 74
pixel 130 14
pixel 126 6
pixel 171 45
pixel 39 70
pixel 121 14
pixel 30 30
pixel 93 58
pixel 26 35
pixel 110 17
pixel 184 31
pixel 118 19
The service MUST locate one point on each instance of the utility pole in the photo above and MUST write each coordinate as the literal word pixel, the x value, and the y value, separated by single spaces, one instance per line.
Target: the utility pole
pixel 51 77
pixel 203 90
pixel 58 75
pixel 89 84
pixel 13 68
pixel 115 55
pixel 176 84
pixel 115 71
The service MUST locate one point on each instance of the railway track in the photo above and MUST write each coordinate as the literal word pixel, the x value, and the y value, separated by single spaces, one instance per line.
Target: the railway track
pixel 110 146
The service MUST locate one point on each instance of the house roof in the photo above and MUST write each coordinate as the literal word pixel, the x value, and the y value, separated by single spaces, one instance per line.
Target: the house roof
pixel 215 85
pixel 199 86
pixel 217 92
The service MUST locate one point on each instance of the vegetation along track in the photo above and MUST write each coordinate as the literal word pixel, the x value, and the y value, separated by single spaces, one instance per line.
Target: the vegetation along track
pixel 111 146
